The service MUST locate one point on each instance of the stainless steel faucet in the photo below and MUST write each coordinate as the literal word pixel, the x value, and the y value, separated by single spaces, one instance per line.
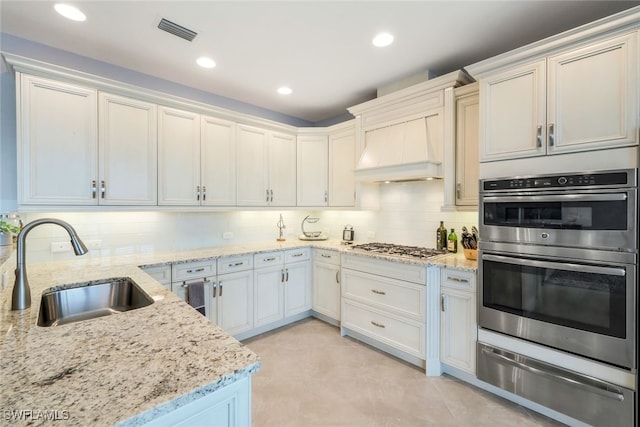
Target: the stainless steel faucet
pixel 21 297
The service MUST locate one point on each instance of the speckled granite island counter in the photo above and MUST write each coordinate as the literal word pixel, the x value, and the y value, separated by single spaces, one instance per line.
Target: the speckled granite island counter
pixel 124 369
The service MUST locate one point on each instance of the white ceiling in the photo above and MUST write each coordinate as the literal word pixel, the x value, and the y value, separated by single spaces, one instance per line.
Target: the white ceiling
pixel 321 49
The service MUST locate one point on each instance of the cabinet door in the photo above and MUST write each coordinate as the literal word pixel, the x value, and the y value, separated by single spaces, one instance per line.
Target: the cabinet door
pixel 253 166
pixel 313 168
pixel 282 170
pixel 268 295
pixel 512 112
pixel 326 289
pixel 458 330
pixel 235 304
pixel 342 161
pixel 58 143
pixel 467 163
pixel 178 157
pixel 297 292
pixel 128 151
pixel 593 96
pixel 217 162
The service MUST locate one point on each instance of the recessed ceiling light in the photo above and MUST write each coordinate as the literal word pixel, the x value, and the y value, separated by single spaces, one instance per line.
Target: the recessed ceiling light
pixel 382 40
pixel 70 12
pixel 285 90
pixel 206 62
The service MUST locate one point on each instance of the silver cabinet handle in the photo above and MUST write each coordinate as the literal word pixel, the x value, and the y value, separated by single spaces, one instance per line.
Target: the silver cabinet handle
pixel 220 284
pixel 337 277
pixel 215 289
pixel 204 193
pixel 236 264
pixel 299 254
pixel 267 199
pixel 375 291
pixel 198 193
pixel 281 276
pixel 539 136
pixel 271 196
pixel 325 256
pixel 379 325
pixel 269 259
pixel 287 274
pixel 103 189
pixel 552 135
pixel 326 196
pixel 457 279
pixel 94 189
pixel 458 190
pixel 197 270
pixel 441 302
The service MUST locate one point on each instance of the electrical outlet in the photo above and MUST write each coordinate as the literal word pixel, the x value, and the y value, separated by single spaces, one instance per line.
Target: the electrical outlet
pixel 5 278
pixel 371 234
pixel 57 247
pixel 227 235
pixel 93 244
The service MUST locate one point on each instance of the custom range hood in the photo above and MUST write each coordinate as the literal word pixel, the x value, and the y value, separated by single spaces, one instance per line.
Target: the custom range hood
pixel 407 151
pixel 404 131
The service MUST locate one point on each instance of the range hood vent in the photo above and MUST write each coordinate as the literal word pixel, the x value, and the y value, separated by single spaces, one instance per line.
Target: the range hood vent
pixel 177 30
pixel 408 151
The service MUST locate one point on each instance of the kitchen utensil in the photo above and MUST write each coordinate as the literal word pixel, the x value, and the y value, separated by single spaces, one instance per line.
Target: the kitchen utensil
pixel 281 226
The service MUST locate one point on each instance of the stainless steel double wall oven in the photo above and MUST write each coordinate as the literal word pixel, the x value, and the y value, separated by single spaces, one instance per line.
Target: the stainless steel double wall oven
pixel 558 265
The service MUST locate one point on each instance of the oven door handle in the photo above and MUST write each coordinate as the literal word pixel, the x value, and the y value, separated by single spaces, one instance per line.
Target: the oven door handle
pixel 601 197
pixel 589 383
pixel 609 271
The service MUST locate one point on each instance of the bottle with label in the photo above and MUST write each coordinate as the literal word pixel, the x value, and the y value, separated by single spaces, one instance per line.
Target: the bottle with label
pixel 441 237
pixel 452 242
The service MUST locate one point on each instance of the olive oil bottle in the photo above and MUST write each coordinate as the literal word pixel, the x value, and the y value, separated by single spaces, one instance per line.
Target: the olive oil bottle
pixel 452 242
pixel 441 237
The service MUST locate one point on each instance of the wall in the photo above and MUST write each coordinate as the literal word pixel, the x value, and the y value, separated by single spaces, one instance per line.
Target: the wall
pixel 409 214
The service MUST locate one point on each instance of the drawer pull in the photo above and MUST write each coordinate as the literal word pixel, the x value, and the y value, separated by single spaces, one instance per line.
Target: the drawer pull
pixel 325 256
pixel 337 277
pixel 269 259
pixel 197 270
pixel 215 289
pixel 457 279
pixel 375 291
pixel 297 255
pixel 379 325
pixel 220 284
pixel 236 264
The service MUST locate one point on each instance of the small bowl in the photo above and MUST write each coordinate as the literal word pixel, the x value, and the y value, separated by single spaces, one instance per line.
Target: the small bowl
pixel 471 254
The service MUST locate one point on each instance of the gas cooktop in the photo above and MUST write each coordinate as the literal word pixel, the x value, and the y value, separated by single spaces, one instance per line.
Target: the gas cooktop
pixel 399 250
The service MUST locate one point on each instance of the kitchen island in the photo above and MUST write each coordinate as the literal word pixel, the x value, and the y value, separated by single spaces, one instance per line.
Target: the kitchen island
pixel 124 369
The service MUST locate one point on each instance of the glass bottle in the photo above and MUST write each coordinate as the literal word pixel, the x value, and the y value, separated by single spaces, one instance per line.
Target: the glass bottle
pixel 452 242
pixel 441 237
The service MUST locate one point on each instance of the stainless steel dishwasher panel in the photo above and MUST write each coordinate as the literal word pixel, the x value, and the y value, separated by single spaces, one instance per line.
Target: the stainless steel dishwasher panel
pixel 579 396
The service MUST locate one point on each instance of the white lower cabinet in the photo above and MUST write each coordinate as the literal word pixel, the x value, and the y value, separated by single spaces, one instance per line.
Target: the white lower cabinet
pixel 232 295
pixel 282 285
pixel 162 273
pixel 187 277
pixel 458 327
pixel 326 283
pixel 229 406
pixel 385 301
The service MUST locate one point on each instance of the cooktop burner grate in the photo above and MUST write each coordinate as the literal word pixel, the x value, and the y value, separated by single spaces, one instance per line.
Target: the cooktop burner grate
pixel 399 250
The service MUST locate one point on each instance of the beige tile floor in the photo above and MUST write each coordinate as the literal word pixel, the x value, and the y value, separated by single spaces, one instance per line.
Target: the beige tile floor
pixel 311 376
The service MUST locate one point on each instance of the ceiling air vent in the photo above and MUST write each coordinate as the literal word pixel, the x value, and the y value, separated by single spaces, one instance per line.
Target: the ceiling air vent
pixel 177 30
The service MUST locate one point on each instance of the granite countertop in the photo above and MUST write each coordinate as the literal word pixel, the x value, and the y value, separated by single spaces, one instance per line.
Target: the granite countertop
pixel 131 367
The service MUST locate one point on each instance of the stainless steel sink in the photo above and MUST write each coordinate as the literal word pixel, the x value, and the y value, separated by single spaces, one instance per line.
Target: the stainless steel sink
pixel 89 301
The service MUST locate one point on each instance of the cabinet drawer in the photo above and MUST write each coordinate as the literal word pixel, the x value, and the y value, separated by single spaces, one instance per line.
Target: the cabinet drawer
pixel 326 256
pixel 235 263
pixel 295 255
pixel 458 279
pixel 191 270
pixel 401 333
pixel 266 259
pixel 403 298
pixel 397 270
pixel 162 273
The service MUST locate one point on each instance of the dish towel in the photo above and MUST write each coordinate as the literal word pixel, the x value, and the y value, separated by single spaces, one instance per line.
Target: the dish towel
pixel 195 296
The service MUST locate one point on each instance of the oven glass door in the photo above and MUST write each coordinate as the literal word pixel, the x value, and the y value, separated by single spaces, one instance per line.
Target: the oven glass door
pixel 584 308
pixel 574 212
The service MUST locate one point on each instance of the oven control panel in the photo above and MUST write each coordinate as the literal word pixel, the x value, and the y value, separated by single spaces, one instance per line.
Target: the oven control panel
pixel 620 178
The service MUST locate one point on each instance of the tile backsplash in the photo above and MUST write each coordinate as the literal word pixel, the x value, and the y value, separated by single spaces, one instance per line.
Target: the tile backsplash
pixel 409 214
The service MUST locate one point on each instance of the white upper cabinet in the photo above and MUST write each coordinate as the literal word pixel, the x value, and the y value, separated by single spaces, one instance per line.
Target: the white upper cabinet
pixel 592 96
pixel 178 157
pixel 466 146
pixel 313 170
pixel 583 98
pixel 128 151
pixel 342 161
pixel 217 162
pixel 57 143
pixel 266 174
